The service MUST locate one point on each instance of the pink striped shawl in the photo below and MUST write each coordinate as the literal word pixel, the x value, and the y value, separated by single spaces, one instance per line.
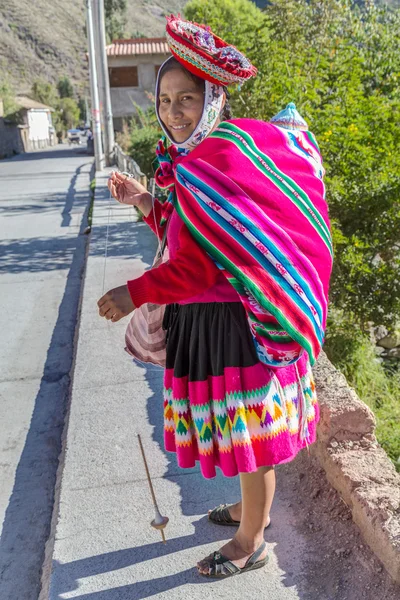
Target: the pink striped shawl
pixel 252 195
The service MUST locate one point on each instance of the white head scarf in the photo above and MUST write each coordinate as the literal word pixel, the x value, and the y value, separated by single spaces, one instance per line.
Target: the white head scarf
pixel 213 100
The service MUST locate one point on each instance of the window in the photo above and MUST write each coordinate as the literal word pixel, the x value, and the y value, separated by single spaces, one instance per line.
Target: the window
pixel 123 77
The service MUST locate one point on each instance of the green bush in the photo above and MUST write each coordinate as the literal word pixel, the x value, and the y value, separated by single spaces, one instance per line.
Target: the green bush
pixel 142 148
pixel 7 94
pixel 352 352
pixel 144 136
pixel 66 114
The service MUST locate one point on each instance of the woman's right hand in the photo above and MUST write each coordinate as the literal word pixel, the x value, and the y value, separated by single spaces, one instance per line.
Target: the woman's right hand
pixel 127 190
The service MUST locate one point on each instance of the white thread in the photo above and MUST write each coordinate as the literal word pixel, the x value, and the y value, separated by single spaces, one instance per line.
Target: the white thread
pixel 153 207
pixel 105 251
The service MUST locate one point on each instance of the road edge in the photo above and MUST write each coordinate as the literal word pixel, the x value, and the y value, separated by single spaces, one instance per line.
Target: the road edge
pixel 45 577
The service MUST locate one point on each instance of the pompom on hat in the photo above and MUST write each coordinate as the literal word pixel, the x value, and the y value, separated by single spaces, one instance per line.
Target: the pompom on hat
pixel 290 118
pixel 204 54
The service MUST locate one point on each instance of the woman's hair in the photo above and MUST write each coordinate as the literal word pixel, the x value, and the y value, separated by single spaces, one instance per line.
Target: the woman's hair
pixel 172 64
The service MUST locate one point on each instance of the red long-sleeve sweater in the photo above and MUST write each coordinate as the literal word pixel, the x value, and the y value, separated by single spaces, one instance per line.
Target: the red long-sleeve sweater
pixel 188 273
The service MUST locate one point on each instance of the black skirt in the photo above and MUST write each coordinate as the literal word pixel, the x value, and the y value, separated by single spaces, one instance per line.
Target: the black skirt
pixel 205 338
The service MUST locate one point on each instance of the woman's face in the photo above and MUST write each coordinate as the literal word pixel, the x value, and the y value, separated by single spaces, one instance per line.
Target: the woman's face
pixel 181 104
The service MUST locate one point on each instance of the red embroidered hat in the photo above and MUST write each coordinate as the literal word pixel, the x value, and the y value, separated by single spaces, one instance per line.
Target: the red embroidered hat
pixel 204 54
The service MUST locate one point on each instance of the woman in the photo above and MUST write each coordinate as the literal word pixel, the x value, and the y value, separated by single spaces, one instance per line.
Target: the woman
pixel 245 286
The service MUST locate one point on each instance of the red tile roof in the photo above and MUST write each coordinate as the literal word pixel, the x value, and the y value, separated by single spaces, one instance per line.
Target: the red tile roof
pixel 138 46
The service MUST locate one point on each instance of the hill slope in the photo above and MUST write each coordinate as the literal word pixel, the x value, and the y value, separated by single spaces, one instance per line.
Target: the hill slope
pixel 45 39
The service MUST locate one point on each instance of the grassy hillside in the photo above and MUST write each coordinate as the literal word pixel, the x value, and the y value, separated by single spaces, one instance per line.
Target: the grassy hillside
pixel 147 17
pixel 45 39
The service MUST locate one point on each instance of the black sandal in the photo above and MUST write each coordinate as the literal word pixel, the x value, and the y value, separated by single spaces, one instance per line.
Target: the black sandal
pixel 221 567
pixel 221 516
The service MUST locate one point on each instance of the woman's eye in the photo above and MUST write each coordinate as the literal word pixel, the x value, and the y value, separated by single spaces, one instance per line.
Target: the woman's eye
pixel 164 100
pixel 187 98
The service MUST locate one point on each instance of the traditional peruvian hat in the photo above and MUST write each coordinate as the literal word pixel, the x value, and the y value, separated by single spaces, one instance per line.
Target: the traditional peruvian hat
pixel 204 54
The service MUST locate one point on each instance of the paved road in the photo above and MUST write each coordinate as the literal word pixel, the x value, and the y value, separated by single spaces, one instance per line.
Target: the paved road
pixel 43 196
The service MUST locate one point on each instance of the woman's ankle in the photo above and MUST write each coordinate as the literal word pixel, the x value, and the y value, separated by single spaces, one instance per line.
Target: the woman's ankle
pixel 248 544
pixel 235 510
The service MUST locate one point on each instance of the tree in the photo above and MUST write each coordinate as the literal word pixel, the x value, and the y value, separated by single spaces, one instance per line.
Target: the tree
pixel 82 110
pixel 65 88
pixel 236 21
pixel 115 18
pixel 69 112
pixel 45 92
pixel 7 95
pixel 340 64
pixel 145 133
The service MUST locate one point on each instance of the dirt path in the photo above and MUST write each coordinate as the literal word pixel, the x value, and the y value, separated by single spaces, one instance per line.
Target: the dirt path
pixel 340 566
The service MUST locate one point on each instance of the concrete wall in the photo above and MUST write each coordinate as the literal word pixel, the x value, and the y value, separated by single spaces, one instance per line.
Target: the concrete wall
pixel 124 98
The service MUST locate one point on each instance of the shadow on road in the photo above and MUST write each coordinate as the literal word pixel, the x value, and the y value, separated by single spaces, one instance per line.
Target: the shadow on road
pixel 27 519
pixel 36 255
pixel 60 151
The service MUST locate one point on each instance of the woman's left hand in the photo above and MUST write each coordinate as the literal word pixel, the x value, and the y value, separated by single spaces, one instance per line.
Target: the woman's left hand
pixel 116 304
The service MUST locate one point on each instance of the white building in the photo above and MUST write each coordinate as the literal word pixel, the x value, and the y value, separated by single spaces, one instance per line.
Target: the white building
pixel 36 128
pixel 133 66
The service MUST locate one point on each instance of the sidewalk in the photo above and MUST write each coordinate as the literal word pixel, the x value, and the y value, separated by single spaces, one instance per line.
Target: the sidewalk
pixel 104 547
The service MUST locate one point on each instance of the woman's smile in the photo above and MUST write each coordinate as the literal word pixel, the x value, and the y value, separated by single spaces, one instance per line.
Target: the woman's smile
pixel 179 127
pixel 181 103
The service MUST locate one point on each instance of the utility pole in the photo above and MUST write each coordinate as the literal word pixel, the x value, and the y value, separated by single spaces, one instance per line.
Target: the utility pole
pixel 98 147
pixel 99 71
pixel 107 108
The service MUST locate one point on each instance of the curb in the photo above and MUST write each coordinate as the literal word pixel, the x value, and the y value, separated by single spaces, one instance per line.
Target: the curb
pixel 356 465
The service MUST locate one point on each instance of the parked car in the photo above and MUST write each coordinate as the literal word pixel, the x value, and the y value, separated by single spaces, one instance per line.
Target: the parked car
pixel 74 136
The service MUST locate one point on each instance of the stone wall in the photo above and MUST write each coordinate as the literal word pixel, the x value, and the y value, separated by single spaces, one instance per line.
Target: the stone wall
pixel 356 465
pixel 10 139
pixel 387 346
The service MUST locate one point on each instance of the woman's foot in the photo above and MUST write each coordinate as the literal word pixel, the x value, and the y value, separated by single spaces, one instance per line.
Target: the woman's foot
pixel 235 512
pixel 237 552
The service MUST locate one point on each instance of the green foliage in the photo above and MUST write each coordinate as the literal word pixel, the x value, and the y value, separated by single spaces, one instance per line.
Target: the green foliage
pixel 7 94
pixel 82 110
pixel 69 112
pixel 353 353
pixel 236 21
pixel 144 135
pixel 45 92
pixel 66 113
pixel 65 88
pixel 142 146
pixel 115 18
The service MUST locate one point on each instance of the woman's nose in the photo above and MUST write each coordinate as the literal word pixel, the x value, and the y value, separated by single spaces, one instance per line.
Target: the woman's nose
pixel 175 111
